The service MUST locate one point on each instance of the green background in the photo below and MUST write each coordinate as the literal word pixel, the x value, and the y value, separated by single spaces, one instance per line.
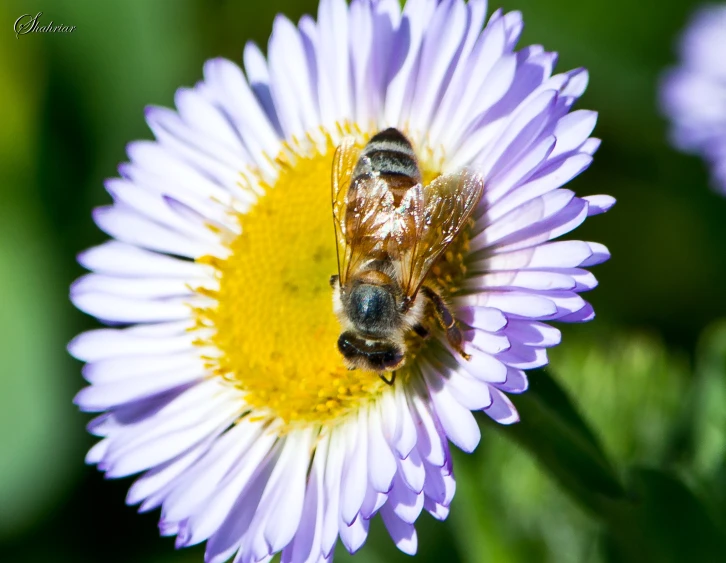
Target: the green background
pixel 620 455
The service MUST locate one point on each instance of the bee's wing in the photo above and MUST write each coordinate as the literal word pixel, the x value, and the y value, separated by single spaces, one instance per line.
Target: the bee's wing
pixel 344 161
pixel 442 210
pixel 357 210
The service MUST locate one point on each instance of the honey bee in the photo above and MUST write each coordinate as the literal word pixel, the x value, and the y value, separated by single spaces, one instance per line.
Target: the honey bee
pixel 390 230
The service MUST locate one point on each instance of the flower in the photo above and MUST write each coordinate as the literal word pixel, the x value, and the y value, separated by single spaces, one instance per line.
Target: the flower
pixel 693 95
pixel 227 392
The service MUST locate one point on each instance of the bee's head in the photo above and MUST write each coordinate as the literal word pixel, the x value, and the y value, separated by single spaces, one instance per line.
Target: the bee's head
pixel 375 355
pixel 372 309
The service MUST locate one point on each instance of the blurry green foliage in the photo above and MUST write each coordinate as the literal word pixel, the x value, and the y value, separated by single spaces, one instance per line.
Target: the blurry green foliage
pixel 709 404
pixel 519 507
pixel 630 387
pixel 37 434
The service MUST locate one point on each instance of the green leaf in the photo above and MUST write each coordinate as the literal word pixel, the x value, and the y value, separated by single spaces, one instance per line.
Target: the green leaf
pixel 709 410
pixel 497 514
pixel 664 523
pixel 552 430
pixel 630 387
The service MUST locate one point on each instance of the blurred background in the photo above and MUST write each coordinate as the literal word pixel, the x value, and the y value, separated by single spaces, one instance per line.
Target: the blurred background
pixel 620 455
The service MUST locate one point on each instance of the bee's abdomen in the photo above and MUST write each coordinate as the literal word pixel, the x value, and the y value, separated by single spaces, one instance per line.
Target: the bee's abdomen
pixel 390 154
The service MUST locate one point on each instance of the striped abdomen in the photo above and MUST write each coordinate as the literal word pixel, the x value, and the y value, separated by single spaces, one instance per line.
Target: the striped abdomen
pixel 389 155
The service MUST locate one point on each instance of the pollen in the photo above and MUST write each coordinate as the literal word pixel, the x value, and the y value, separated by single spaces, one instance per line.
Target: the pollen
pixel 274 326
pixel 273 319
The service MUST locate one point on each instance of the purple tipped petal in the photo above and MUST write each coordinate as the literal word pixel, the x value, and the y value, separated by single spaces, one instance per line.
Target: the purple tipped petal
pixel 692 94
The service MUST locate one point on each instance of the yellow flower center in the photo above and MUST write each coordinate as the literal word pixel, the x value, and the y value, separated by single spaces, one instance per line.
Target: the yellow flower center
pixel 273 318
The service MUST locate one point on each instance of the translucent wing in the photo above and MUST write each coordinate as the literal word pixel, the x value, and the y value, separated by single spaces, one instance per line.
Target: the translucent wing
pixel 359 211
pixel 432 225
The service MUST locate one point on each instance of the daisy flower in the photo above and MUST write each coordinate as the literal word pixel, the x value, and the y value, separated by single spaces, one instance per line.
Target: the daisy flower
pixel 693 95
pixel 227 392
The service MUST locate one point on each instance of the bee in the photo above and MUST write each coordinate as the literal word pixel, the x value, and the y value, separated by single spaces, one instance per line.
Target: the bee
pixel 390 230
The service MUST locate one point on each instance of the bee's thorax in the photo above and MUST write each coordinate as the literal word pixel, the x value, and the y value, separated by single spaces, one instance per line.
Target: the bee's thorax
pixel 372 309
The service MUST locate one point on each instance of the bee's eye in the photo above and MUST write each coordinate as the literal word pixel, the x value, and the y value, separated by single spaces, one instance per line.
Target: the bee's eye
pixel 379 355
pixel 347 347
pixel 388 358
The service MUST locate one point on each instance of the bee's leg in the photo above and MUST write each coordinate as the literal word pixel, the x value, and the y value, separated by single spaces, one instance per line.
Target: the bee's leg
pixel 388 381
pixel 333 280
pixel 421 331
pixel 447 321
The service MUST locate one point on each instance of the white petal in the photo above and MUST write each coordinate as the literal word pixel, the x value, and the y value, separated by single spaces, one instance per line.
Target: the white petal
pixel 524 128
pixel 381 462
pixel 333 62
pixel 457 421
pixel 158 451
pixel 120 259
pixel 550 176
pixel 521 170
pixel 108 343
pixel 438 511
pixel 444 34
pixel 128 226
pixel 573 130
pixel 155 167
pixel 259 78
pixel 484 318
pixel 524 279
pixel 562 254
pixel 289 493
pixel 472 393
pixel 228 84
pixel 332 493
pixel 372 503
pixel 481 366
pixel 354 535
pixel 214 510
pixel 405 503
pixel 402 533
pixel 429 443
pixel 228 537
pixel 599 253
pixel 456 86
pixel 203 117
pixel 486 341
pixel 440 485
pixel 412 471
pixel 353 484
pixel 404 63
pixel 244 442
pixel 502 409
pixel 289 79
pixel 197 150
pixel 599 203
pixel 157 479
pixel 306 547
pixel 407 439
pixel 510 227
pixel 101 397
pixel 513 303
pixel 138 288
pixel 122 309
